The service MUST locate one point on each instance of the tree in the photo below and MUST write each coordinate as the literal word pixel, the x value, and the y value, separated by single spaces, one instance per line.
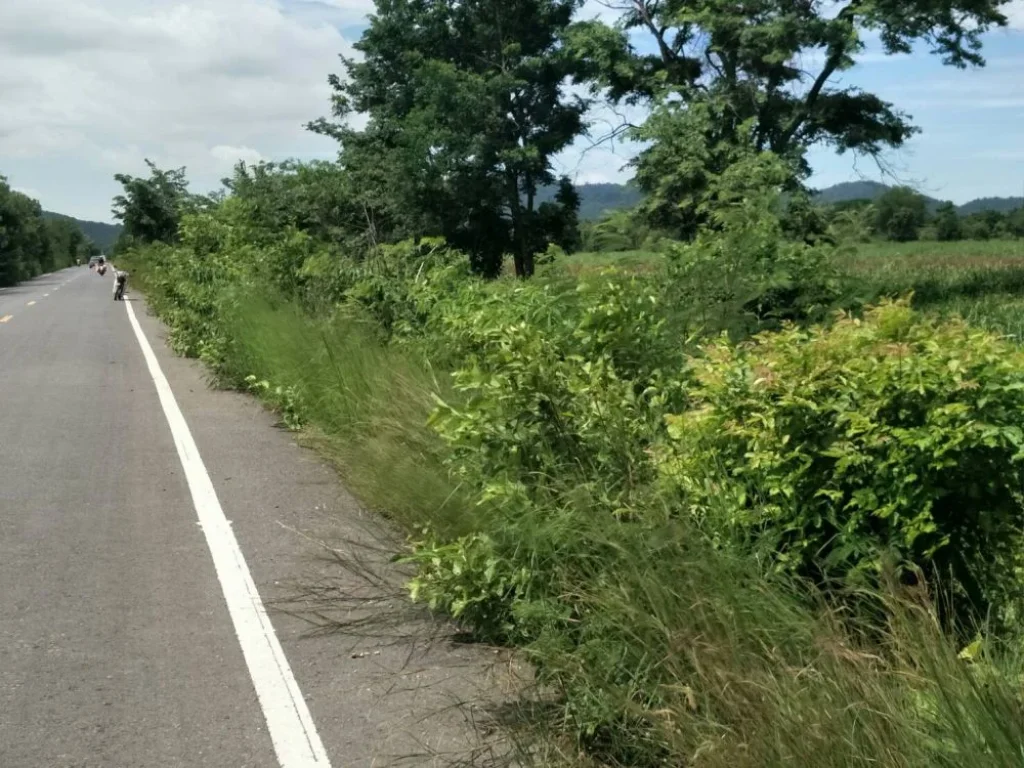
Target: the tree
pixel 1015 223
pixel 803 220
pixel 67 243
pixel 985 225
pixel 466 109
pixel 947 223
pixel 151 209
pixel 900 213
pixel 743 62
pixel 25 248
pixel 317 198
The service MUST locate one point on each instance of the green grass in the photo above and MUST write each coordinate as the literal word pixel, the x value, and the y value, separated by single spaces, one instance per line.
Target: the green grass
pixel 364 405
pixel 983 281
pixel 980 281
pixel 578 263
pixel 959 250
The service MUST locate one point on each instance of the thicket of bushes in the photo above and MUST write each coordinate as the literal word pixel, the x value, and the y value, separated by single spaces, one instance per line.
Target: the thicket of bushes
pixel 666 520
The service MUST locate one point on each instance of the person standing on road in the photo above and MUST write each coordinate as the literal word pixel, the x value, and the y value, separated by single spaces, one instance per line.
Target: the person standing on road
pixel 120 284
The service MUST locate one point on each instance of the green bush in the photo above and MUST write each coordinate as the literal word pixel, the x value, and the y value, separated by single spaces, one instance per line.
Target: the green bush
pixel 830 447
pixel 742 274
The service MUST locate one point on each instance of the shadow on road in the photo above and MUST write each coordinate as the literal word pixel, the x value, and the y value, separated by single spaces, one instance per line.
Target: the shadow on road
pixel 33 286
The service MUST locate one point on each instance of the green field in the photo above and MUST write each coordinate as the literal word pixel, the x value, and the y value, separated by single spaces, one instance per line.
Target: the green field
pixel 982 281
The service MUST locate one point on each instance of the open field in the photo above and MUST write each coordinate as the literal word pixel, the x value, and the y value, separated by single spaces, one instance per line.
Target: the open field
pixel 982 281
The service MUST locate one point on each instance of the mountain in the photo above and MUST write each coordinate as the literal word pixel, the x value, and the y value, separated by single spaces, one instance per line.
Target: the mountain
pixel 1001 204
pixel 871 190
pixel 104 235
pixel 850 190
pixel 597 199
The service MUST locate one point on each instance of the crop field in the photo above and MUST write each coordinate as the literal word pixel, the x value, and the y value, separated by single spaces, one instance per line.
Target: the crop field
pixel 981 281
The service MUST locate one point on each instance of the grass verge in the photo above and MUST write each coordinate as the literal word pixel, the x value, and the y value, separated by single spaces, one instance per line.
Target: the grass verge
pixel 657 649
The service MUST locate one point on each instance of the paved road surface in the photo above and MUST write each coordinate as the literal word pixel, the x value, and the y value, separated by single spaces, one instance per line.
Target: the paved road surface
pixel 117 646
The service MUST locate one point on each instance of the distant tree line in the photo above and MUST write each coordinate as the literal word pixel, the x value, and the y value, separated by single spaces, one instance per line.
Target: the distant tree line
pixel 31 244
pixel 903 215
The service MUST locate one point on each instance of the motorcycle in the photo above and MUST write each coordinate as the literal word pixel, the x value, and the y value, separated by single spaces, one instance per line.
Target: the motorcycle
pixel 102 269
pixel 119 289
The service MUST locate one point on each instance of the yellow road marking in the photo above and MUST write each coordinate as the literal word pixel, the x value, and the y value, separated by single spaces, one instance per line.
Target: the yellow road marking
pixel 31 303
pixel 5 318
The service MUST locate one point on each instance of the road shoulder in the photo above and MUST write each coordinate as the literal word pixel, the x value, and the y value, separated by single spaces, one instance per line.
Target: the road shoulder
pixel 384 684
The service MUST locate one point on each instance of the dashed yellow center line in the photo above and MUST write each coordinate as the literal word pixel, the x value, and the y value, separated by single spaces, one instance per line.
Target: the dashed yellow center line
pixel 6 318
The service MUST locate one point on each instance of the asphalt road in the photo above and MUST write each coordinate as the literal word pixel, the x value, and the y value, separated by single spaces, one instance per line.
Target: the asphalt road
pixel 117 645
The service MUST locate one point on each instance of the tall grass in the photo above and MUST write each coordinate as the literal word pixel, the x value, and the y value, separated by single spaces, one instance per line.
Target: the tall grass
pixel 365 405
pixel 981 281
pixel 709 664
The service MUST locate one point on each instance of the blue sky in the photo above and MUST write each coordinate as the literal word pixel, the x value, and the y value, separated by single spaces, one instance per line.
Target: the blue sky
pixel 92 87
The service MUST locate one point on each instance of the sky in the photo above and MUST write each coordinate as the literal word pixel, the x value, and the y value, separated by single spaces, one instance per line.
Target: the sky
pixel 90 88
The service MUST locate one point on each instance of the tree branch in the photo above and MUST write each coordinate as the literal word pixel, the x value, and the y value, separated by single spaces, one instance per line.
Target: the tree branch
pixel 831 65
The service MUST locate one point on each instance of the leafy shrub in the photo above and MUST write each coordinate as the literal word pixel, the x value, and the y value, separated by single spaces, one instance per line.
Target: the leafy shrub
pixel 895 433
pixel 400 284
pixel 558 387
pixel 741 273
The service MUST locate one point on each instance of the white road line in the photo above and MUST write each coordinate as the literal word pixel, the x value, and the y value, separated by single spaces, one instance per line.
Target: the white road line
pixel 291 726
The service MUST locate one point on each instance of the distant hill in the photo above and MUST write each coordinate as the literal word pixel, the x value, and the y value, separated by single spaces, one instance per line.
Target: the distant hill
pixel 871 190
pixel 596 199
pixel 1001 204
pixel 104 235
pixel 850 190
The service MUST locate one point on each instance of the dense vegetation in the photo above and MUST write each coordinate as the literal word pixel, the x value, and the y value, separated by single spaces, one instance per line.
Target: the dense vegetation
pixel 740 498
pixel 32 244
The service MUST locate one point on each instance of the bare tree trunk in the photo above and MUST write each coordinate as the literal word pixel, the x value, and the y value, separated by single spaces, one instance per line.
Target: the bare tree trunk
pixel 519 256
pixel 525 244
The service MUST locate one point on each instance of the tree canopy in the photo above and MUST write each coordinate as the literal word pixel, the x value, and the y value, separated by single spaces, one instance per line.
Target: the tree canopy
pixel 763 71
pixel 30 244
pixel 467 105
pixel 151 209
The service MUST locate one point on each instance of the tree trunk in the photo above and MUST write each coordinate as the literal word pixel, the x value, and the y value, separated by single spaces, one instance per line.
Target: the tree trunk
pixel 523 260
pixel 525 235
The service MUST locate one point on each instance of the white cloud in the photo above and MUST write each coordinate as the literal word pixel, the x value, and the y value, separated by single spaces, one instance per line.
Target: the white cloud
pixel 28 192
pixel 201 84
pixel 228 157
pixel 1015 13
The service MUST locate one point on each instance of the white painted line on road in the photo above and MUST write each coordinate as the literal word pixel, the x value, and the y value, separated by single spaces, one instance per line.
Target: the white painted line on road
pixel 6 318
pixel 30 303
pixel 291 726
pixel 45 295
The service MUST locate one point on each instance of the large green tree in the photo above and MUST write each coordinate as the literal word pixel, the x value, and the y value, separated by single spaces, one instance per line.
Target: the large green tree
pixel 948 226
pixel 25 247
pixel 467 106
pixel 67 243
pixel 151 208
pixel 766 65
pixel 900 214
